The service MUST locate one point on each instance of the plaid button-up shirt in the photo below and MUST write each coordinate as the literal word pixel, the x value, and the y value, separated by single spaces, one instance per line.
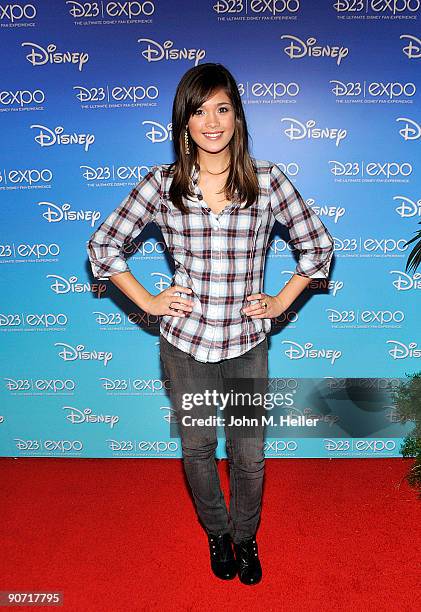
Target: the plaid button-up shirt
pixel 221 257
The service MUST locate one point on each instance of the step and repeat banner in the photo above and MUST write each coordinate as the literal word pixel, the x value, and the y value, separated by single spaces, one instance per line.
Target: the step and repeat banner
pixel 330 91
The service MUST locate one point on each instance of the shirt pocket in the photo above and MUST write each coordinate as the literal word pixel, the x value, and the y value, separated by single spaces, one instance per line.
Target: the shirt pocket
pixel 176 226
pixel 246 226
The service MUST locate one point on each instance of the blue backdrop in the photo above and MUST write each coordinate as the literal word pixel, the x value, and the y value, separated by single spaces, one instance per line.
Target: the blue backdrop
pixel 330 94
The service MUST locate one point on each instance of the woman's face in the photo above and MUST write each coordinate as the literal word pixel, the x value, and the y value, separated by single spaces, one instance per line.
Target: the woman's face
pixel 212 125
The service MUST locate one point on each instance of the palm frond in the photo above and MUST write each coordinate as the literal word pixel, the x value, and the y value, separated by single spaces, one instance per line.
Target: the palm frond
pixel 414 257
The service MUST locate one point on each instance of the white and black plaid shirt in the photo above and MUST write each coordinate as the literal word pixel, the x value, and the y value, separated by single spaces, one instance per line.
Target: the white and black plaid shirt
pixel 221 257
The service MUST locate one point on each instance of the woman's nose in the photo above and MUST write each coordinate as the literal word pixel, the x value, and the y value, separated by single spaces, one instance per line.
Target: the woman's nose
pixel 212 119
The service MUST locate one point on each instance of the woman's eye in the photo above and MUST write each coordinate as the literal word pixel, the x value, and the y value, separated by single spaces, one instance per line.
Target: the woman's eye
pixel 199 111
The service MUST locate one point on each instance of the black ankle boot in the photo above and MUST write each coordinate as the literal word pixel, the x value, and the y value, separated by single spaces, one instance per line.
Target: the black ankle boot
pixel 247 555
pixel 222 558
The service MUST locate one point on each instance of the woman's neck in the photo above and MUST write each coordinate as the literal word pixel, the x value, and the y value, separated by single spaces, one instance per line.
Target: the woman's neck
pixel 214 163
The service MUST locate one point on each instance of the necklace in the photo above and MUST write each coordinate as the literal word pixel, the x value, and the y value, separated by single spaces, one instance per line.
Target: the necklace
pixel 215 173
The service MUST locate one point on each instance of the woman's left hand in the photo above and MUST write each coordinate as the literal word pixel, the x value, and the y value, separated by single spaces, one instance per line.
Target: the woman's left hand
pixel 257 311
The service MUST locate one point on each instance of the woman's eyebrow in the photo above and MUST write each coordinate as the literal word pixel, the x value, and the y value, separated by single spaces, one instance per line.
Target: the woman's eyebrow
pixel 217 104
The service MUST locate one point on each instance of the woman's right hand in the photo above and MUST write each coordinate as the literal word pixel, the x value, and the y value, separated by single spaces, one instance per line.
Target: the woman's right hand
pixel 160 304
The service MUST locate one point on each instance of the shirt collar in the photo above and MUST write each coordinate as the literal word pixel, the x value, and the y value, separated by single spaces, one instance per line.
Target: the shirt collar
pixel 194 174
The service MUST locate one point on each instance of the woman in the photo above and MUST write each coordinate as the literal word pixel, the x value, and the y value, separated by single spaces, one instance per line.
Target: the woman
pixel 216 206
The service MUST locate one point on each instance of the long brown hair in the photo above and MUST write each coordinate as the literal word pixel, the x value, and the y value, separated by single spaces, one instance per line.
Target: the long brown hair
pixel 195 87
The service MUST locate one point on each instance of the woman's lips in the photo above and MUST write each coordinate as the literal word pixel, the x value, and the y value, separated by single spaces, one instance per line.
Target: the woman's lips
pixel 212 136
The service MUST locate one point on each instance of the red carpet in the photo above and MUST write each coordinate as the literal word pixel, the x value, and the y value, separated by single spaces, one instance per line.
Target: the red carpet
pixel 122 534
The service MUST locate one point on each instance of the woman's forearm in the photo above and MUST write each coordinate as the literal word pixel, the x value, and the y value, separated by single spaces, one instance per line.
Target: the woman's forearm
pixel 292 289
pixel 130 286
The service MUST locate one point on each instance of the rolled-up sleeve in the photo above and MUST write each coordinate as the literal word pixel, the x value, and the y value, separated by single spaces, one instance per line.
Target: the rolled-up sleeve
pixel 308 233
pixel 138 208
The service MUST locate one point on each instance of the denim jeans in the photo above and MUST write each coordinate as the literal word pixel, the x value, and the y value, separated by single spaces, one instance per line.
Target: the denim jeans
pixel 244 452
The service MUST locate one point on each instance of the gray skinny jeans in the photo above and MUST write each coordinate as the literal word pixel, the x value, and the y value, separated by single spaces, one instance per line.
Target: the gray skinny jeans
pixel 244 450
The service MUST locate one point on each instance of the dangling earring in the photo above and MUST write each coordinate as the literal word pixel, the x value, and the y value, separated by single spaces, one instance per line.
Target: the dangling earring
pixel 186 142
